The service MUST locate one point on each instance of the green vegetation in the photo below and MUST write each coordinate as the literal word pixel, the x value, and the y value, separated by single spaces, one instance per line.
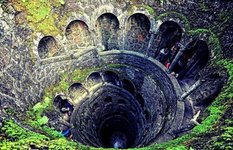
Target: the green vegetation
pixel 41 18
pixel 62 2
pixel 39 15
pixel 16 136
pixel 213 39
pixel 21 138
pixel 161 2
pixel 150 10
pixel 203 6
pixel 224 140
pixel 35 115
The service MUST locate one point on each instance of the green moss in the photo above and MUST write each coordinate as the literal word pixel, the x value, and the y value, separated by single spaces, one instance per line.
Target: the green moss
pixel 213 39
pixel 18 137
pixel 150 9
pixel 177 15
pixel 39 15
pixel 203 6
pixel 224 17
pixel 217 109
pixel 21 138
pixel 224 141
pixel 62 2
pixel 161 2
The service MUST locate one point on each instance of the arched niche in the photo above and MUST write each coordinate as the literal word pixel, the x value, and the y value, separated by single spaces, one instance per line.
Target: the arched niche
pixel 169 34
pixel 93 79
pixel 140 99
pixel 137 33
pixel 63 105
pixel 128 85
pixel 107 26
pixel 111 77
pixel 76 92
pixel 193 59
pixel 78 34
pixel 47 47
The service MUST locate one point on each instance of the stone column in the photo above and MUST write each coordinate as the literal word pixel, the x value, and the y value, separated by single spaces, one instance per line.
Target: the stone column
pixel 191 89
pixel 176 59
pixel 152 36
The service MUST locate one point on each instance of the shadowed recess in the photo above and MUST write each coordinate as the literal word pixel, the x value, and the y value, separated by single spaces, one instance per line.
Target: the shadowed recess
pixel 137 33
pixel 47 47
pixel 107 30
pixel 78 34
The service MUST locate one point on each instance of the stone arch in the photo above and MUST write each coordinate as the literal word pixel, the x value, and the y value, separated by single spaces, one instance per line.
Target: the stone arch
pixel 176 17
pixel 172 30
pixel 129 86
pixel 78 16
pixel 111 77
pixel 167 41
pixel 47 47
pixel 93 79
pixel 62 104
pixel 209 37
pixel 194 59
pixel 107 26
pixel 137 33
pixel 76 92
pixel 78 35
pixel 105 9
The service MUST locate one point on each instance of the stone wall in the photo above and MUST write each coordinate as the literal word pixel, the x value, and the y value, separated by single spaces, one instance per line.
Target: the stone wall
pixel 23 77
pixel 29 62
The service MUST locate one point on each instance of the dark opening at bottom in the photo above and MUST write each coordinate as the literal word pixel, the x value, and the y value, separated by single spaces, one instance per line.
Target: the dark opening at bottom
pixel 118 132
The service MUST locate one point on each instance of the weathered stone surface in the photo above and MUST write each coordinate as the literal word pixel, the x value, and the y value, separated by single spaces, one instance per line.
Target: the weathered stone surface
pixel 29 62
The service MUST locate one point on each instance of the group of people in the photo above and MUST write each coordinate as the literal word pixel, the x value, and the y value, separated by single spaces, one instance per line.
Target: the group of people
pixel 66 109
pixel 166 56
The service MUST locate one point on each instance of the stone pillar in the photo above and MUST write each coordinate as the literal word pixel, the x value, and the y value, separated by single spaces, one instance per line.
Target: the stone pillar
pixel 191 89
pixel 152 36
pixel 176 59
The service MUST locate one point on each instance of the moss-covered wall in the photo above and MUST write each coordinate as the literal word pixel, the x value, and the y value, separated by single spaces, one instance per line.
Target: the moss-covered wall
pixel 24 76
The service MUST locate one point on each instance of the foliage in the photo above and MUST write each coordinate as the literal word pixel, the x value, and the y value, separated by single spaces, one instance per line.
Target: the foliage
pixel 150 9
pixel 213 39
pixel 161 2
pixel 39 107
pixel 225 140
pixel 39 14
pixel 62 2
pixel 217 109
pixel 14 132
pixel 21 138
pixel 24 138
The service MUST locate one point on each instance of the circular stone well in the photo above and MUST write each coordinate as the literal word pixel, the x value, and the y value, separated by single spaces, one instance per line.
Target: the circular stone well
pixel 131 105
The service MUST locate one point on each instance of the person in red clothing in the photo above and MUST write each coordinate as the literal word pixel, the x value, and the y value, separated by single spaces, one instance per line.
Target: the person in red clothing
pixel 163 55
pixel 166 55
